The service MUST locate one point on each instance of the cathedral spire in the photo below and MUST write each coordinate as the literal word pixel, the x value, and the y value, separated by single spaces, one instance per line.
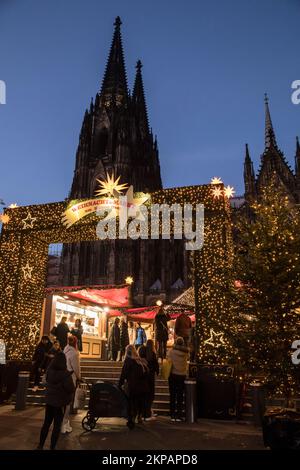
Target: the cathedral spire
pixel 139 100
pixel 270 139
pixel 114 85
pixel 249 176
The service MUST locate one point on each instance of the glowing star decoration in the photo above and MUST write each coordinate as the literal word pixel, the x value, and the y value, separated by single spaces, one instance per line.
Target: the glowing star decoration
pixel 216 180
pixel 215 340
pixel 204 289
pixel 229 191
pixel 110 186
pixel 217 192
pixel 27 271
pixel 129 280
pixel 4 218
pixel 13 206
pixel 33 331
pixel 134 203
pixel 29 221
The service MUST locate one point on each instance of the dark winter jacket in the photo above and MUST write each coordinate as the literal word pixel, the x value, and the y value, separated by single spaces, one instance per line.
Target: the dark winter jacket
pixel 161 326
pixel 40 354
pixel 153 365
pixel 137 377
pixel 114 338
pixel 61 333
pixel 141 337
pixel 124 338
pixel 78 332
pixel 59 387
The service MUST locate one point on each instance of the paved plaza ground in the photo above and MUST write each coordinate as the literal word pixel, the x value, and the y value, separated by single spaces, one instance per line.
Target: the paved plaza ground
pixel 19 430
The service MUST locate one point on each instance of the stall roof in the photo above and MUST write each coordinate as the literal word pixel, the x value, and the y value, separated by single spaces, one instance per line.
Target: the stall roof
pixel 106 296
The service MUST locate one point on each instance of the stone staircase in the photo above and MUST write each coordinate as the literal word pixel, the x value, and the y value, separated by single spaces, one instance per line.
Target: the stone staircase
pixel 93 370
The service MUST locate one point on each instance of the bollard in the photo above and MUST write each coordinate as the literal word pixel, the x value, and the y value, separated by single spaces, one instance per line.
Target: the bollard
pixel 21 394
pixel 190 401
pixel 259 406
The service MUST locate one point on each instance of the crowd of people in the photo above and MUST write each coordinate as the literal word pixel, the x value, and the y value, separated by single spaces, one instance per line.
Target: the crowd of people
pixel 58 362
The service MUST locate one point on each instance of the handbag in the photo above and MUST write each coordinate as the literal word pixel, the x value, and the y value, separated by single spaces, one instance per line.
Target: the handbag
pixel 166 368
pixel 80 396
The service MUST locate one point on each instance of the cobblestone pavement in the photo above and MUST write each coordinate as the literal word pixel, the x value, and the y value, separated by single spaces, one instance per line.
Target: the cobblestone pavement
pixel 19 430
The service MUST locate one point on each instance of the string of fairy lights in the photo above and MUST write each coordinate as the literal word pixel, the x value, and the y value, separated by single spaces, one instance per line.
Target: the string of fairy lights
pixel 27 232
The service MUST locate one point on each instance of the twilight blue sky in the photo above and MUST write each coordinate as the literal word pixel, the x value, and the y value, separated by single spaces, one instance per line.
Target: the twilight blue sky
pixel 206 63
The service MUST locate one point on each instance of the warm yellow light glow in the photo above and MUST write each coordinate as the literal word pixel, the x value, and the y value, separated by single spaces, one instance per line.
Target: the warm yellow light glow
pixel 4 218
pixel 110 186
pixel 159 303
pixel 129 280
pixel 229 191
pixel 216 180
pixel 217 192
pixel 13 206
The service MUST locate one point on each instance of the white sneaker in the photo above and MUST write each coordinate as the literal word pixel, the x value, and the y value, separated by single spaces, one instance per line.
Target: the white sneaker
pixel 68 427
pixel 63 429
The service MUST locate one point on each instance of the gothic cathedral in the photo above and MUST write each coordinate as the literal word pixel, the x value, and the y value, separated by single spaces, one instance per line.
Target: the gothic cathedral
pixel 116 138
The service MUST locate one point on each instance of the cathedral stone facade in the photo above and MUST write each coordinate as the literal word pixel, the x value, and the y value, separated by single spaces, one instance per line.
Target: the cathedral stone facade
pixel 273 166
pixel 116 139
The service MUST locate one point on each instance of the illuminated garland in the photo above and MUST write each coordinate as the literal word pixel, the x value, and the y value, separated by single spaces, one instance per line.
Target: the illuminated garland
pixel 24 254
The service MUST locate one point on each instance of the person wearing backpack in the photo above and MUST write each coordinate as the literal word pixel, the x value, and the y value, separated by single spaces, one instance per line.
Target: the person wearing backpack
pixel 59 393
pixel 141 337
pixel 135 381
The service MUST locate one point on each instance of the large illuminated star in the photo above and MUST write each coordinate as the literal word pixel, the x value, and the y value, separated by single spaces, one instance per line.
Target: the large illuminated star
pixel 215 340
pixel 216 180
pixel 229 191
pixel 110 186
pixel 217 192
pixel 29 221
pixel 4 218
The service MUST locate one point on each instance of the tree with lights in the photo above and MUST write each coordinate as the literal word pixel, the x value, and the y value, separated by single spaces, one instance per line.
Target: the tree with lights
pixel 265 299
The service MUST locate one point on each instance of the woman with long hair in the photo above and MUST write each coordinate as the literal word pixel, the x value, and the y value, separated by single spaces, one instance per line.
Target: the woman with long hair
pixel 73 365
pixel 135 373
pixel 59 392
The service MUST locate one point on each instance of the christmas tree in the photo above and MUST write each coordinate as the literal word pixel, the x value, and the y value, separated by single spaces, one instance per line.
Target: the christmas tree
pixel 266 293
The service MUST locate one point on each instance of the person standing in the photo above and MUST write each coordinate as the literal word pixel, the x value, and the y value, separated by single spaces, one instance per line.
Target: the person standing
pixel 161 332
pixel 141 337
pixel 114 340
pixel 52 353
pixel 124 337
pixel 73 365
pixel 135 373
pixel 59 391
pixel 39 360
pixel 153 365
pixel 179 357
pixel 183 328
pixel 78 332
pixel 61 332
pixel 131 333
